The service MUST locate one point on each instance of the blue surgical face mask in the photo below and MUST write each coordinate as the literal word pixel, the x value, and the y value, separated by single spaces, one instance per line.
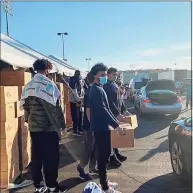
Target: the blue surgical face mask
pixel 103 80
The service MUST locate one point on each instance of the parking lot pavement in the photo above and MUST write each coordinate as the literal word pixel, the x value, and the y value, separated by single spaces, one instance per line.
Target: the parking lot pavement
pixel 147 169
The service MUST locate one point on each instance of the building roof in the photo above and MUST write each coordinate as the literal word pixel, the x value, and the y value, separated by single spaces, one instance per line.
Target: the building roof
pixel 20 55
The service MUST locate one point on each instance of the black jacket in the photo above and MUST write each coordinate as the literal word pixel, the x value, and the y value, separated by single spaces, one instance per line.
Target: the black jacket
pixel 101 115
pixel 115 102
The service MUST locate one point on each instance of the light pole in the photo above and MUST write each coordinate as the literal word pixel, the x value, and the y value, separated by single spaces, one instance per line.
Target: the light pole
pixel 88 59
pixel 63 34
pixel 8 11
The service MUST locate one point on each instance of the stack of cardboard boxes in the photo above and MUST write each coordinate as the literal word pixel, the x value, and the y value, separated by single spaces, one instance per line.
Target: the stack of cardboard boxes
pixel 65 103
pixel 9 155
pixel 14 135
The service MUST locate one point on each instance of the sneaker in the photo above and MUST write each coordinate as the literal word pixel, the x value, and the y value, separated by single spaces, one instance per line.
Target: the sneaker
pixel 121 158
pixel 79 134
pixel 81 172
pixel 58 189
pixel 111 190
pixel 93 172
pixel 41 190
pixel 114 162
pixel 113 185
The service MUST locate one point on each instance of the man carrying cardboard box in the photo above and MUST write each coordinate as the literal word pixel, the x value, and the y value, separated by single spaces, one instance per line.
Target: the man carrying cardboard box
pixel 116 106
pixel 100 119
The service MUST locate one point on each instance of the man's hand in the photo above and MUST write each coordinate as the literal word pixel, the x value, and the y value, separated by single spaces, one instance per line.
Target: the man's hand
pixel 121 131
pixel 126 113
pixel 121 118
pixel 79 104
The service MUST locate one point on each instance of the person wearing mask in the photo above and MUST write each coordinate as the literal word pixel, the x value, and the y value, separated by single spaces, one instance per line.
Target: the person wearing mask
pixel 43 113
pixel 75 103
pixel 115 104
pixel 89 155
pixel 100 119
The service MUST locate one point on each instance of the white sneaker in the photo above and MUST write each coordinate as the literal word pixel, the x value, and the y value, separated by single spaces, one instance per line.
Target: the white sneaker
pixel 113 184
pixel 111 190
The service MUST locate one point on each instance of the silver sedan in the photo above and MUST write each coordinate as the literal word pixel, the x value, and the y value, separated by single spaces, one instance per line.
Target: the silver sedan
pixel 158 97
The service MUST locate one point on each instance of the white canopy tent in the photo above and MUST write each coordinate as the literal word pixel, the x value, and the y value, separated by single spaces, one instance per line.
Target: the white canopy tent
pixel 20 55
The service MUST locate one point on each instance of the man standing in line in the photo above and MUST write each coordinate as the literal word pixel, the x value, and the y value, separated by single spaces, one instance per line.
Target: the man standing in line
pixel 75 103
pixel 89 155
pixel 115 104
pixel 100 119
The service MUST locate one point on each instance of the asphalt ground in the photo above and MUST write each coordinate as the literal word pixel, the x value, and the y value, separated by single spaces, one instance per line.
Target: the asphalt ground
pixel 147 169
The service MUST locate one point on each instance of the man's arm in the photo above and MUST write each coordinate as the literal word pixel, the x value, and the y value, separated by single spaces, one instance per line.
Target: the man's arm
pixel 55 115
pixel 101 109
pixel 88 113
pixel 73 93
pixel 26 110
pixel 112 105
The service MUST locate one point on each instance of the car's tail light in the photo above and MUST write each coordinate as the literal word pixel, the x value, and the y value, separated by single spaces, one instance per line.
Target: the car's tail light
pixel 146 101
pixel 179 100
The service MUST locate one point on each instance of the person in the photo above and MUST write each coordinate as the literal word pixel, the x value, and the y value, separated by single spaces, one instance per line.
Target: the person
pixel 43 113
pixel 188 87
pixel 100 119
pixel 89 155
pixel 75 103
pixel 115 104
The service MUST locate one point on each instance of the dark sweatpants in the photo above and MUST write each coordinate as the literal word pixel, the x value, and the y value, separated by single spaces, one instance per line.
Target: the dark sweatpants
pixel 45 153
pixel 90 152
pixel 103 144
pixel 76 114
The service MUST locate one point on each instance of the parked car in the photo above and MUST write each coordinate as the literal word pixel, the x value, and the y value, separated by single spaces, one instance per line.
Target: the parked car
pixel 180 148
pixel 158 97
pixel 135 85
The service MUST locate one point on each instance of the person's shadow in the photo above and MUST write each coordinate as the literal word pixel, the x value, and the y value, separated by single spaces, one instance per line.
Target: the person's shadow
pixel 167 183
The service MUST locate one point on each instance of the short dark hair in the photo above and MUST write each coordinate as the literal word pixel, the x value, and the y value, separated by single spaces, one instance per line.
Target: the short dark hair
pixel 41 65
pixel 110 70
pixel 77 72
pixel 98 68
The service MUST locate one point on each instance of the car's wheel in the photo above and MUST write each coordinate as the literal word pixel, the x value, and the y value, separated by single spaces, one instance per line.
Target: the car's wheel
pixel 177 160
pixel 175 116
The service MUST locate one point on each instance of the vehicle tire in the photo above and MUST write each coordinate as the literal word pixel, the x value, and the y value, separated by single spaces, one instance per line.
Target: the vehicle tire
pixel 175 116
pixel 177 161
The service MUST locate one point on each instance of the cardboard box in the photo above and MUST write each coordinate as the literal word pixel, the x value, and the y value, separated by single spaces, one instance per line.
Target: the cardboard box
pixel 61 89
pixel 8 94
pixel 20 89
pixel 8 145
pixel 14 78
pixel 25 156
pixel 9 176
pixel 132 120
pixel 8 130
pixel 7 112
pixel 18 112
pixel 7 161
pixel 24 144
pixel 128 139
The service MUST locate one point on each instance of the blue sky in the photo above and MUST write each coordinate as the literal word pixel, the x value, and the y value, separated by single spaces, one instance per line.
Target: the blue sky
pixel 120 34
